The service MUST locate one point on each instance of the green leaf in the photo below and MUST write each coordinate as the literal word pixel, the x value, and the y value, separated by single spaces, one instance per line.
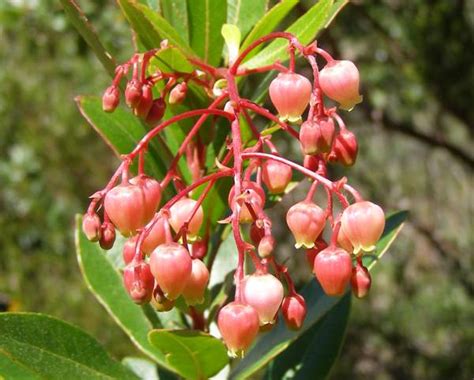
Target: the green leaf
pixel 143 368
pixel 170 60
pixel 318 304
pixel 206 18
pixel 196 355
pixel 313 354
pixel 151 27
pixel 231 34
pixel 36 346
pixel 268 23
pixel 121 131
pixel 245 13
pixel 305 29
pixel 105 282
pixel 85 29
pixel 176 12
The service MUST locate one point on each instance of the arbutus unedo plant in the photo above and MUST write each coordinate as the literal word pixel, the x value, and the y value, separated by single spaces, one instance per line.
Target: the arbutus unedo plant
pixel 166 243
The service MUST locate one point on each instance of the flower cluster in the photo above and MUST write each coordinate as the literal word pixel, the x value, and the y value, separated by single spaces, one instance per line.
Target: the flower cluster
pixel 168 241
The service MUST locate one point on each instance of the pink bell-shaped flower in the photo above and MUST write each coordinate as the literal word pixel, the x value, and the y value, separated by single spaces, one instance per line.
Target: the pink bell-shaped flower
pixel 180 213
pixel 195 288
pixel 125 205
pixel 171 266
pixel 306 221
pixel 155 237
pixel 363 224
pixel 339 81
pixel 238 324
pixel 253 194
pixel 290 94
pixel 264 292
pixel 276 176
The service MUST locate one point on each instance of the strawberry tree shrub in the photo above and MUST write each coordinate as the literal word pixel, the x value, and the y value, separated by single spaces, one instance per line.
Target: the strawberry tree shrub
pixel 219 172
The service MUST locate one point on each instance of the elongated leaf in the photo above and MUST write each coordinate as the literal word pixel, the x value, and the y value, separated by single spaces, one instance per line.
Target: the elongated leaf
pixel 176 12
pixel 305 29
pixel 105 282
pixel 318 304
pixel 39 346
pixel 268 23
pixel 245 13
pixel 121 131
pixel 85 29
pixel 206 18
pixel 151 27
pixel 143 368
pixel 313 354
pixel 196 355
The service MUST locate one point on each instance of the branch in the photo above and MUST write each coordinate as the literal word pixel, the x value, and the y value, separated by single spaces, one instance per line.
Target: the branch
pixel 408 129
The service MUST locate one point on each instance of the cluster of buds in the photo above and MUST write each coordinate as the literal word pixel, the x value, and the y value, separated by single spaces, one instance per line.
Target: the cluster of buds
pixel 168 241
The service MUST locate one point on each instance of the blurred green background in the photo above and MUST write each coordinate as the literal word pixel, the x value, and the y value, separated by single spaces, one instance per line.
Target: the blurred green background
pixel 416 152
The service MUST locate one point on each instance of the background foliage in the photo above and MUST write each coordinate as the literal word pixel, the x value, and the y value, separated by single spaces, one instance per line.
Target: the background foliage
pixel 415 128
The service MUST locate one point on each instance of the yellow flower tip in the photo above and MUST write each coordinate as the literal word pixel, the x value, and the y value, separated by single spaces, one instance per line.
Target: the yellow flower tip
pixel 349 106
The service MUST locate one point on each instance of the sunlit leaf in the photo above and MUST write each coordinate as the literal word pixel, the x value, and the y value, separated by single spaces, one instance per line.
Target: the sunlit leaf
pixel 245 13
pixel 195 355
pixel 206 18
pixel 37 346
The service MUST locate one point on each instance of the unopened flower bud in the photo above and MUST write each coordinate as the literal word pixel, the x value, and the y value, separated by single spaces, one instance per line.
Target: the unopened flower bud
pixel 111 99
pixel 107 238
pixel 345 148
pixel 290 94
pixel 128 252
pixel 266 246
pixel 156 112
pixel 91 226
pixel 293 309
pixel 333 269
pixel 133 93
pixel 360 281
pixel 146 101
pixel 317 136
pixel 363 224
pixel 178 93
pixel 199 249
pixel 339 81
pixel 138 282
